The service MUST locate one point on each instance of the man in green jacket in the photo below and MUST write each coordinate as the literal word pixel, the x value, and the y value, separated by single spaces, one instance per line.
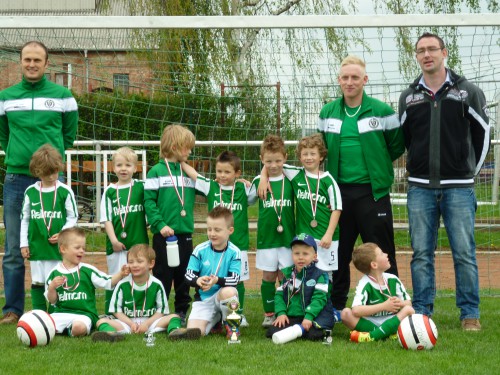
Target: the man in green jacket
pixel 363 137
pixel 33 112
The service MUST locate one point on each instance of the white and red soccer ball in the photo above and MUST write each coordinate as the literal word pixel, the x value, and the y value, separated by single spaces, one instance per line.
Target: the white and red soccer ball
pixel 36 328
pixel 417 332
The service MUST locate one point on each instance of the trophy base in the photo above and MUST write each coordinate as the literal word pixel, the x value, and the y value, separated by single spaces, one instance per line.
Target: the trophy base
pixel 229 342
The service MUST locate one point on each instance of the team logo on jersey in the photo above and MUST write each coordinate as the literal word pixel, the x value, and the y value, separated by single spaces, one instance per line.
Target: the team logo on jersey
pixel 373 123
pixel 414 98
pixel 49 103
pixel 311 282
pixel 457 94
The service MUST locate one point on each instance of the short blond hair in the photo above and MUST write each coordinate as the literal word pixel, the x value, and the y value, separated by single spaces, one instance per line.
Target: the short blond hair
pixel 67 234
pixel 174 139
pixel 46 161
pixel 312 141
pixel 142 249
pixel 127 153
pixel 363 256
pixel 353 60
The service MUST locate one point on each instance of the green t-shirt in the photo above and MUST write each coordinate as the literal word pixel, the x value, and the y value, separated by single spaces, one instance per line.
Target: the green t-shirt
pixel 133 214
pixel 267 235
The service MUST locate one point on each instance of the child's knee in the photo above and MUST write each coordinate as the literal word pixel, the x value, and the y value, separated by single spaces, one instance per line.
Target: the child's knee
pixel 79 329
pixel 227 292
pixel 346 314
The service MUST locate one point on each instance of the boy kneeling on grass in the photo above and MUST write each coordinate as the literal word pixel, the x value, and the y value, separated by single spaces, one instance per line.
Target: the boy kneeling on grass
pixel 139 303
pixel 381 301
pixel 303 298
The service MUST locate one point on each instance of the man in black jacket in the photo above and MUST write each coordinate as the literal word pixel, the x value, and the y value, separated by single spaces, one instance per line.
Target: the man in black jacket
pixel 447 137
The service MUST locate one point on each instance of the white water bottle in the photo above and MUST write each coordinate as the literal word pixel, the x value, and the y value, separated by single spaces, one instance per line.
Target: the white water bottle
pixel 288 334
pixel 172 252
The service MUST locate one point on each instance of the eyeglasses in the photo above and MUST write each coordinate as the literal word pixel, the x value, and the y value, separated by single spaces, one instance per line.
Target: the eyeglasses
pixel 431 50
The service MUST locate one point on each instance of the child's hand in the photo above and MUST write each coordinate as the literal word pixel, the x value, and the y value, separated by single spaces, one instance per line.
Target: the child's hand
pixel 25 252
pixel 326 241
pixel 205 282
pixel 134 328
pixel 57 282
pixel 262 189
pixel 246 182
pixel 118 246
pixel 281 321
pixel 143 327
pixel 307 324
pixel 166 231
pixel 125 271
pixel 53 239
pixel 393 305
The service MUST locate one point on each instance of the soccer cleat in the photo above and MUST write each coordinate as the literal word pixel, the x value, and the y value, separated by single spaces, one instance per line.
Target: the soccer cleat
pixel 217 328
pixel 185 334
pixel 357 336
pixel 268 320
pixel 471 324
pixel 107 336
pixel 336 316
pixel 393 337
pixel 10 318
pixel 244 322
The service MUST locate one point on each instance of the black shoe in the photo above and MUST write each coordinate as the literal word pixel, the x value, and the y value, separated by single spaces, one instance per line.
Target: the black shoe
pixel 185 334
pixel 107 336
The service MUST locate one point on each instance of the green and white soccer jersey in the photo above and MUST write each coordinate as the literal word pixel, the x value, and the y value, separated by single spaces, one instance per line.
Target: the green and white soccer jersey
pixel 77 296
pixel 133 214
pixel 218 195
pixel 369 292
pixel 162 203
pixel 139 301
pixel 328 200
pixel 267 235
pixel 59 213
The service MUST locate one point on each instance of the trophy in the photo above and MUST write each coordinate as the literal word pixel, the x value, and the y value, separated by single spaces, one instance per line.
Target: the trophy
pixel 149 338
pixel 234 320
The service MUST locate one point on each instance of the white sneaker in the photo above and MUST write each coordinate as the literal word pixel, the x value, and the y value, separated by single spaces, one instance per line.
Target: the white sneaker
pixel 244 322
pixel 268 321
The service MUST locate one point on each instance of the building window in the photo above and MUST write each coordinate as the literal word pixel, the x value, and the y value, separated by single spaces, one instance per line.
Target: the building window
pixel 62 79
pixel 121 82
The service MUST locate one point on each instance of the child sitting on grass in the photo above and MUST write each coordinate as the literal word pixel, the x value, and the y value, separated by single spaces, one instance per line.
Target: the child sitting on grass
pixel 139 303
pixel 381 301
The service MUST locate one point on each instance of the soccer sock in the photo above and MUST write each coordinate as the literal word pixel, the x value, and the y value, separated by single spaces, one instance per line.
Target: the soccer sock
pixel 268 290
pixel 387 328
pixel 105 327
pixel 37 298
pixel 175 323
pixel 241 295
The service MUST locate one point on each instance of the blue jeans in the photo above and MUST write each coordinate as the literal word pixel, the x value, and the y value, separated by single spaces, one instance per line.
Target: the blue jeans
pixel 457 206
pixel 13 262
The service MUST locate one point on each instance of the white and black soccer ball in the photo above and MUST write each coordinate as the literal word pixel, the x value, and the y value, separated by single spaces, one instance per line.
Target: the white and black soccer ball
pixel 417 332
pixel 36 328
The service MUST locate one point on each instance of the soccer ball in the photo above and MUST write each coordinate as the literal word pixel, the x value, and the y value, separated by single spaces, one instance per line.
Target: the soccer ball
pixel 36 328
pixel 417 332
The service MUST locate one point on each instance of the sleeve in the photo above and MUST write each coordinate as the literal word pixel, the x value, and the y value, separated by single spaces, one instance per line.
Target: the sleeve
pixel 100 279
pixel 401 292
pixel 290 171
pixel 360 295
pixel 479 126
pixel 25 221
pixel 202 185
pixel 393 135
pixel 69 122
pixel 318 299
pixel 279 301
pixel 402 119
pixel 106 208
pixel 252 191
pixel 151 191
pixel 116 303
pixel 71 210
pixel 193 269
pixel 232 279
pixel 4 127
pixel 334 196
pixel 161 300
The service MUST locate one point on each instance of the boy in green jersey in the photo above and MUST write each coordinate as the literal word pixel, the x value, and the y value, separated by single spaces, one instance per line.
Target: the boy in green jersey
pixel 122 212
pixel 276 223
pixel 169 202
pixel 139 303
pixel 226 191
pixel 70 286
pixel 381 301
pixel 48 207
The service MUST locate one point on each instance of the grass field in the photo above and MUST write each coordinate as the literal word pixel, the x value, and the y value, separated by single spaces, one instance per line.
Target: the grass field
pixel 457 352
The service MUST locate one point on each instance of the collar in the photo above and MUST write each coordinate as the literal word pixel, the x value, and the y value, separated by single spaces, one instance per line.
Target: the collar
pixel 33 85
pixel 447 81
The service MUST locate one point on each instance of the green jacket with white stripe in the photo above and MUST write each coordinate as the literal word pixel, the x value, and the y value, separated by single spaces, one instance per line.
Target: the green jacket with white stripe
pixel 32 114
pixel 380 136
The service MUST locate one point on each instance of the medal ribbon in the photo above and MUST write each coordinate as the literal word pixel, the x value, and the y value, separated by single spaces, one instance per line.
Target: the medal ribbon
pixel 313 206
pixel 145 296
pixel 181 200
pixel 379 288
pixel 123 219
pixel 282 195
pixel 220 260
pixel 232 196
pixel 43 208
pixel 77 283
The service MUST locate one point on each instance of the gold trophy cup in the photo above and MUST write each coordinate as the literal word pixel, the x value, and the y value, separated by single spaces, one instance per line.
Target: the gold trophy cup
pixel 234 320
